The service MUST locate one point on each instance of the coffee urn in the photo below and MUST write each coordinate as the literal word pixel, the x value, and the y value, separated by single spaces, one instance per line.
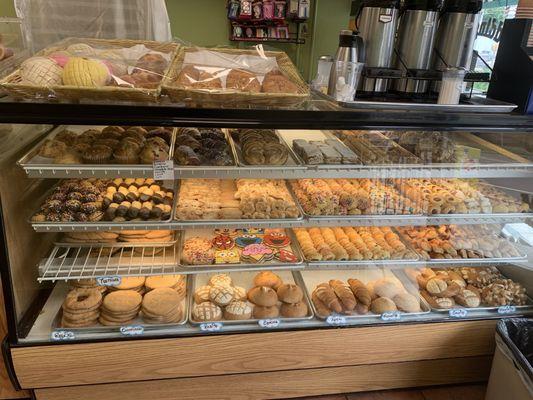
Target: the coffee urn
pixel 376 21
pixel 415 42
pixel 456 35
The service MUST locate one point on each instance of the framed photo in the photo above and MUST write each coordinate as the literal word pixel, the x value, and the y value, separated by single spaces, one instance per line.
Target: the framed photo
pixel 260 33
pixel 280 8
pixel 283 32
pixel 249 32
pixel 273 32
pixel 257 10
pixel 268 9
pixel 237 31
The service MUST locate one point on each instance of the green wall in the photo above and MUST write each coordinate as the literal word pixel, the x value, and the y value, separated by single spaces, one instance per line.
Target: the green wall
pixel 204 23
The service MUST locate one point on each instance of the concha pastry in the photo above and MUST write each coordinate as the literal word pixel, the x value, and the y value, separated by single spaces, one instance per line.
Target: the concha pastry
pixel 81 49
pixel 85 72
pixel 41 71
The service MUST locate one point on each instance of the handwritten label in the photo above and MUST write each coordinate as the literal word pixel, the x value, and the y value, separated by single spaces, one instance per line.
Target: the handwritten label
pixel 211 326
pixel 269 323
pixel 132 330
pixel 336 320
pixel 391 316
pixel 506 309
pixel 458 313
pixel 108 280
pixel 63 335
pixel 164 170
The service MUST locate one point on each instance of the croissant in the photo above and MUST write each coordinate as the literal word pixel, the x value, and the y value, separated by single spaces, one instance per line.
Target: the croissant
pixel 360 291
pixel 326 294
pixel 344 293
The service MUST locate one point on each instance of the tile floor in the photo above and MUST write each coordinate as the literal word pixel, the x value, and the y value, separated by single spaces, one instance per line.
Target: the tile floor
pixel 458 392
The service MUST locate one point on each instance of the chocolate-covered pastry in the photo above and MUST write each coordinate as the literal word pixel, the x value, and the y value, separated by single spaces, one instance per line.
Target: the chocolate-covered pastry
pixel 202 147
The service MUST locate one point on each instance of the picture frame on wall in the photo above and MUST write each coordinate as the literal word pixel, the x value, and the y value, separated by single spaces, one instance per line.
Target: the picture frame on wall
pixel 280 9
pixel 261 33
pixel 283 32
pixel 273 32
pixel 257 10
pixel 268 9
pixel 237 31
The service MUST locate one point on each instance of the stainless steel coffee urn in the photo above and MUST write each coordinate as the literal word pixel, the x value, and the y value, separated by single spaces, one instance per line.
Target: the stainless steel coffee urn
pixel 376 21
pixel 415 42
pixel 456 34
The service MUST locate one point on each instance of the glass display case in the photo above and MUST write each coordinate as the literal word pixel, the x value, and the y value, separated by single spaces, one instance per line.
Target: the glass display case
pixel 159 242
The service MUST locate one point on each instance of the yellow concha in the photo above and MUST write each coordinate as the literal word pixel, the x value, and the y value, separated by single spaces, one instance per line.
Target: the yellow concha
pixel 80 71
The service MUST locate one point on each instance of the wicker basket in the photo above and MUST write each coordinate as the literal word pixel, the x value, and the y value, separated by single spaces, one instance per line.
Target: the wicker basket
pixel 12 83
pixel 229 97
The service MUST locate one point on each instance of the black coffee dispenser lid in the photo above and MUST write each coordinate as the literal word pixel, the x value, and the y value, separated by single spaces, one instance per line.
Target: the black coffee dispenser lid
pixel 348 38
pixel 463 6
pixel 426 5
pixel 381 3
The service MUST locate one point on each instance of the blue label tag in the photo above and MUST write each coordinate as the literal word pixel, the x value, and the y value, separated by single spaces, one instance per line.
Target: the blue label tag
pixel 132 330
pixel 336 320
pixel 458 313
pixel 108 280
pixel 506 309
pixel 269 323
pixel 211 326
pixel 391 316
pixel 62 335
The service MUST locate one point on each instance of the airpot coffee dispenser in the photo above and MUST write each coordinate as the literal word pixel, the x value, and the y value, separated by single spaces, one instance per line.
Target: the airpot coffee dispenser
pixel 376 21
pixel 415 43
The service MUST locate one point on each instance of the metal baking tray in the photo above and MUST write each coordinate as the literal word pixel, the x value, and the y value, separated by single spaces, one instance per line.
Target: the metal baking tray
pixel 269 265
pixel 273 222
pixel 476 104
pixel 362 263
pixel 104 225
pixel 245 279
pixel 313 279
pixel 288 135
pixel 232 153
pixel 292 161
pixel 464 261
pixel 69 261
pixel 490 309
pixel 137 322
pixel 42 167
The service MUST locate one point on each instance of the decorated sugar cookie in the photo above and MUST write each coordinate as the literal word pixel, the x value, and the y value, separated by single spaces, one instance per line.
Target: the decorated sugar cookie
pixel 257 253
pixel 286 256
pixel 276 239
pixel 247 239
pixel 223 242
pixel 226 231
pixel 253 231
pixel 227 256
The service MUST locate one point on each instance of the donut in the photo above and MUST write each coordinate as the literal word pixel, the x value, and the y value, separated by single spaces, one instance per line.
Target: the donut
pixel 80 299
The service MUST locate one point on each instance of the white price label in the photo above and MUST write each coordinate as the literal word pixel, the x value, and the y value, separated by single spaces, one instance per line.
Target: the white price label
pixel 63 335
pixel 108 280
pixel 164 170
pixel 211 326
pixel 269 323
pixel 391 316
pixel 458 313
pixel 506 309
pixel 336 320
pixel 132 330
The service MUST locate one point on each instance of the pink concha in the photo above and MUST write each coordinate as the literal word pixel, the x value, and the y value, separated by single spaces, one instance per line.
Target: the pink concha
pixel 59 58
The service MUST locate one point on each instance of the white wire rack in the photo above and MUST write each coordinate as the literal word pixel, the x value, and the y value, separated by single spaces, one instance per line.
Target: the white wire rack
pixel 75 261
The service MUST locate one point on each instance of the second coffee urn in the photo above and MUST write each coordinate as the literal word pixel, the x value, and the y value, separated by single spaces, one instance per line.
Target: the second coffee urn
pixel 415 42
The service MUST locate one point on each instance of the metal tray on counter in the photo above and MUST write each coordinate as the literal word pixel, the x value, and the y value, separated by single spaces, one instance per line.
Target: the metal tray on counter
pixel 49 226
pixel 481 309
pixel 476 104
pixel 273 264
pixel 313 279
pixel 134 325
pixel 43 167
pixel 245 280
pixel 293 162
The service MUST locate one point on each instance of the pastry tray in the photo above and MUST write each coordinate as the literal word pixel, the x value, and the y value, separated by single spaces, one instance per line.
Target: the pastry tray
pixel 289 135
pixel 69 261
pixel 527 307
pixel 313 279
pixel 43 167
pixel 241 223
pixel 245 279
pixel 365 263
pixel 465 261
pixel 269 265
pixel 292 162
pixel 137 322
pixel 202 167
pixel 48 226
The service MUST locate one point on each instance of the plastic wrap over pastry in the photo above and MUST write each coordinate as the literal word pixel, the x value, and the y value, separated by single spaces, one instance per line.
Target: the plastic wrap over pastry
pixel 94 68
pixel 255 74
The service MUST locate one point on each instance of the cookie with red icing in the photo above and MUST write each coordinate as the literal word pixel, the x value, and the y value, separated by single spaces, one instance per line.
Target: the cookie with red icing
pixel 286 256
pixel 276 239
pixel 223 242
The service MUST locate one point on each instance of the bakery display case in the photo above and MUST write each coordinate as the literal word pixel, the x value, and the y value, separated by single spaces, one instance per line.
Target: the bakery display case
pixel 141 234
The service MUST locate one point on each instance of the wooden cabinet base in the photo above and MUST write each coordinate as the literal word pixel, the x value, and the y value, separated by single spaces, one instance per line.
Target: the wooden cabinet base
pixel 285 384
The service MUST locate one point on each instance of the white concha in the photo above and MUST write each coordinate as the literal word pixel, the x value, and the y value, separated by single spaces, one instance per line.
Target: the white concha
pixel 41 71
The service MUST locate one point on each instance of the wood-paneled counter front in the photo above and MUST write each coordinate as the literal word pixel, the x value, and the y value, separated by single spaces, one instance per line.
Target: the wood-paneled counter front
pixel 404 354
